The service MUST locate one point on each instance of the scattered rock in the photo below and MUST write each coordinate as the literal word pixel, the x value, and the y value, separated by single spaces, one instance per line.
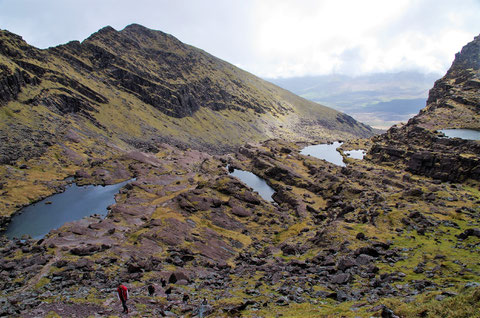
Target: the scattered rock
pixel 342 278
pixel 469 232
pixel 177 276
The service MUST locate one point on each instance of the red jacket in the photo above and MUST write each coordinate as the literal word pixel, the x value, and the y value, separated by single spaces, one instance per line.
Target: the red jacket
pixel 122 292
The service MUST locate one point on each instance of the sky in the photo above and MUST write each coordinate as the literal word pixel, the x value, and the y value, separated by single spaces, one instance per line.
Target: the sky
pixel 272 38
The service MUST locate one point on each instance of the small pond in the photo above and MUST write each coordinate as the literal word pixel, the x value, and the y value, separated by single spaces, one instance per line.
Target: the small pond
pixel 73 204
pixel 355 154
pixel 326 152
pixel 469 134
pixel 254 182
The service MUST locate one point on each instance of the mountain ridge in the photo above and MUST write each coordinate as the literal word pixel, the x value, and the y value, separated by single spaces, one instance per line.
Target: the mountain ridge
pixel 156 79
pixel 395 234
pixel 453 102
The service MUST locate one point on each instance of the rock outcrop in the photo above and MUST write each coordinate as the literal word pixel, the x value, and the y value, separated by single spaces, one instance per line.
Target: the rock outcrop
pixel 138 88
pixel 367 239
pixel 453 102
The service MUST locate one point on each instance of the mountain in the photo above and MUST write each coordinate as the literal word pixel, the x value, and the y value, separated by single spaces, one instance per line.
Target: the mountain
pixel 453 102
pixel 379 99
pixel 138 87
pixel 393 235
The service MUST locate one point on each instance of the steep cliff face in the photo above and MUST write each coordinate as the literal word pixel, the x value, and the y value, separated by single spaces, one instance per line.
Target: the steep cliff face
pixel 12 76
pixel 137 87
pixel 453 102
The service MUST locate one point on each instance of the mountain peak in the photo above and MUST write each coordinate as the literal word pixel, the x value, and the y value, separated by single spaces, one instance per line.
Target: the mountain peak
pixel 144 86
pixel 107 29
pixel 14 45
pixel 135 27
pixel 467 58
pixel 453 101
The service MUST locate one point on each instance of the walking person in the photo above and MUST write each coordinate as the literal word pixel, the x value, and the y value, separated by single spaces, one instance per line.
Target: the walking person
pixel 122 292
pixel 151 290
pixel 203 308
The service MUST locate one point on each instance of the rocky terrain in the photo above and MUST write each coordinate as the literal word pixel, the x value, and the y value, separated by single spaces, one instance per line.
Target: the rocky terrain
pixel 139 87
pixel 361 240
pixel 118 91
pixel 453 102
pixel 393 235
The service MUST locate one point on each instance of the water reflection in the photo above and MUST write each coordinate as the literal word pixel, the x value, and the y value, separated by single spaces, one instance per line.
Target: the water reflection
pixel 254 182
pixel 469 134
pixel 326 152
pixel 356 154
pixel 73 204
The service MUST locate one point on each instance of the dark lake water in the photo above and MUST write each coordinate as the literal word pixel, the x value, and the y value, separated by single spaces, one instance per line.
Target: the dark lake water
pixel 73 204
pixel 255 182
pixel 326 152
pixel 469 134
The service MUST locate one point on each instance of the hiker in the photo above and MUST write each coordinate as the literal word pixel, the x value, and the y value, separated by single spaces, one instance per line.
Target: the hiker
pixel 203 308
pixel 151 289
pixel 122 291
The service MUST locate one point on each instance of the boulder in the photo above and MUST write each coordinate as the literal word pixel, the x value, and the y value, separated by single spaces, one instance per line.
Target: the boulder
pixel 345 263
pixel 248 196
pixel 8 266
pixel 361 236
pixel 368 250
pixel 341 278
pixel 288 249
pixel 235 309
pixel 469 232
pixel 363 259
pixel 415 192
pixel 85 250
pixel 241 212
pixel 177 277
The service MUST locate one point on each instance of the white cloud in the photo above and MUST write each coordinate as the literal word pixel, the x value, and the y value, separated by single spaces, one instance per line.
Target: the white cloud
pixel 272 38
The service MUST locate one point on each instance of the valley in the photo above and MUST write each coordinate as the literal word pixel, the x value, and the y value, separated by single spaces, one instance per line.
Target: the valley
pixel 395 234
pixel 380 100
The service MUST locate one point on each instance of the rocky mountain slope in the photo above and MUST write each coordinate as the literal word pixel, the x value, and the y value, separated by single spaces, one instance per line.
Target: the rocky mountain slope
pixel 453 102
pixel 138 87
pixel 376 238
pixel 134 89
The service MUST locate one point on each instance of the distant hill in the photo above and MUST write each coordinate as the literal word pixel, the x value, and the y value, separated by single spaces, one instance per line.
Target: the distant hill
pixel 380 100
pixel 136 88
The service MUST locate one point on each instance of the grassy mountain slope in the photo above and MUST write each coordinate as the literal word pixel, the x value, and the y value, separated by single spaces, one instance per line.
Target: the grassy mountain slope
pixel 138 86
pixel 381 237
pixel 65 107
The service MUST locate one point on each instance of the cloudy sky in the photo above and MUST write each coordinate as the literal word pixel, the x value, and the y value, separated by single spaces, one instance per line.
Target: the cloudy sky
pixel 272 38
